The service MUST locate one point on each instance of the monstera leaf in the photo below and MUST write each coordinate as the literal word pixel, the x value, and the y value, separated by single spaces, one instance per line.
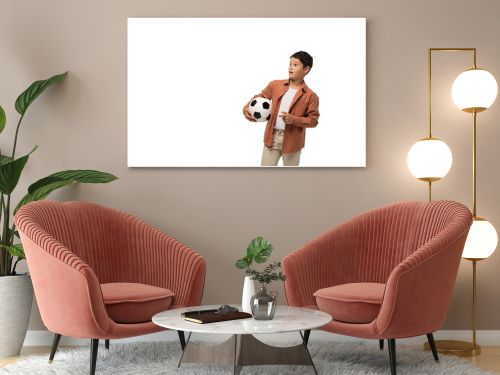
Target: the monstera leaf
pixel 258 250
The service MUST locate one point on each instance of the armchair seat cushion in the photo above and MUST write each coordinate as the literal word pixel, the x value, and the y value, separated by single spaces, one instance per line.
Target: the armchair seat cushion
pixel 133 302
pixel 351 303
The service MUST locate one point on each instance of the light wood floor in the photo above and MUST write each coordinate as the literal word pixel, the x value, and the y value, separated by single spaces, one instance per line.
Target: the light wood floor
pixel 488 360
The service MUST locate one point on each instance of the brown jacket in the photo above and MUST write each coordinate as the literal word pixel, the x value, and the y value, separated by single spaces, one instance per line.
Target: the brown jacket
pixel 304 108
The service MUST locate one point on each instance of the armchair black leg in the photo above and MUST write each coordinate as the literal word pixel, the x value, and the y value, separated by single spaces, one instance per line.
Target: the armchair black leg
pixel 381 344
pixel 307 333
pixel 182 339
pixel 432 344
pixel 94 345
pixel 55 344
pixel 106 344
pixel 392 355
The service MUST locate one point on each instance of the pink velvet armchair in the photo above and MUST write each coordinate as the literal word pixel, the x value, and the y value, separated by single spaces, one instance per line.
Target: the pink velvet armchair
pixel 385 274
pixel 100 273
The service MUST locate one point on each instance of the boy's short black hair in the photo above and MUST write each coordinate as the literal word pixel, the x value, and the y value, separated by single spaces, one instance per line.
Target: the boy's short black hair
pixel 305 58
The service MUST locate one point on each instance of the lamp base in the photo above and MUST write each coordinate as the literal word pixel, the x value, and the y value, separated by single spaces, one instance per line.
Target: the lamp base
pixel 454 347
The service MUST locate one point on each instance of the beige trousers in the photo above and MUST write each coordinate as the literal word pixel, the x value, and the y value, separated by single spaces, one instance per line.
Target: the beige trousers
pixel 271 155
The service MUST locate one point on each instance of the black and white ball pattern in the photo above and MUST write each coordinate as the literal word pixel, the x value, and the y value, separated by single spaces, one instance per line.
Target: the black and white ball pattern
pixel 260 108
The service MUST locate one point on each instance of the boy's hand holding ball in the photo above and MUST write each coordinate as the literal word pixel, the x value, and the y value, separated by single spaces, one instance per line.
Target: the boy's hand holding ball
pixel 248 115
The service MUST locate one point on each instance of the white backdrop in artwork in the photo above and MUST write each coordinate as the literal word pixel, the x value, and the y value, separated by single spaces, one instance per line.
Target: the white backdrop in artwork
pixel 188 79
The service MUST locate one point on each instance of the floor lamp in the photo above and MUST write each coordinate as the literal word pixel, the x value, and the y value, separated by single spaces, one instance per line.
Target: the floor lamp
pixel 473 91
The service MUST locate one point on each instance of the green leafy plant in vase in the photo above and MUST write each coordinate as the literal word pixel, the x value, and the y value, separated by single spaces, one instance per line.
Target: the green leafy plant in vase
pixel 16 292
pixel 259 250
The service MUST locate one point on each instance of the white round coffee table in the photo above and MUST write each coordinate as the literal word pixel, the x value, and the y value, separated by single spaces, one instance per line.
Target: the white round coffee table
pixel 242 348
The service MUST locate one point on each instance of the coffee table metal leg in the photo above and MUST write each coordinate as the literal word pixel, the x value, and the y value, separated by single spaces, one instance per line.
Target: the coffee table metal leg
pixel 184 350
pixel 182 339
pixel 307 332
pixel 304 341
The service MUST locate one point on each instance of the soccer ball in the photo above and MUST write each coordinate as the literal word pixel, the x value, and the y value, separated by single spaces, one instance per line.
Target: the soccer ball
pixel 260 108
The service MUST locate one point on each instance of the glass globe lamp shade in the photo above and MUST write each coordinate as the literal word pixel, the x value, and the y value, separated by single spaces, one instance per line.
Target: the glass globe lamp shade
pixel 481 241
pixel 474 90
pixel 429 159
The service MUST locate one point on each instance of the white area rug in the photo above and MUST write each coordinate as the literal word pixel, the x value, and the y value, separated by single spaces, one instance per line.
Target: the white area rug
pixel 162 358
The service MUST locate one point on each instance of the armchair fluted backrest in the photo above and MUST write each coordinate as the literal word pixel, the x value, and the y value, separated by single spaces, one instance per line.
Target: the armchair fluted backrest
pixel 368 247
pixel 91 245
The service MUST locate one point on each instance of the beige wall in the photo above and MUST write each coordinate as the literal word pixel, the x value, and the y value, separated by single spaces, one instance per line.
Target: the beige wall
pixel 83 124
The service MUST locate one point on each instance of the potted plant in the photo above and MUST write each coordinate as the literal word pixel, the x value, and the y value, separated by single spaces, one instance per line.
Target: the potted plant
pixel 16 290
pixel 258 250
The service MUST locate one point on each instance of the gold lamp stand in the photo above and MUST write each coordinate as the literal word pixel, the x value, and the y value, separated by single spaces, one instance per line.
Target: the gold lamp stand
pixel 455 347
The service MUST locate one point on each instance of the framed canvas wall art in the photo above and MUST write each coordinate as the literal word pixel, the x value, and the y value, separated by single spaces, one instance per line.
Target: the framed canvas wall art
pixel 189 80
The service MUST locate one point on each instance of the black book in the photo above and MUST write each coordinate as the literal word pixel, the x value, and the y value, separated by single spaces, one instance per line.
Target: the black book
pixel 215 316
pixel 197 312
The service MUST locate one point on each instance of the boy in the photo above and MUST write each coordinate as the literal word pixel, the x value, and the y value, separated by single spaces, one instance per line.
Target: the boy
pixel 295 108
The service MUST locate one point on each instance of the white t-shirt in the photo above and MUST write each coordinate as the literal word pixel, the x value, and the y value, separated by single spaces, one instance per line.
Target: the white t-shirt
pixel 286 101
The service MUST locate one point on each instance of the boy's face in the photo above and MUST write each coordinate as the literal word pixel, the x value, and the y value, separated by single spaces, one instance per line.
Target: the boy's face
pixel 296 70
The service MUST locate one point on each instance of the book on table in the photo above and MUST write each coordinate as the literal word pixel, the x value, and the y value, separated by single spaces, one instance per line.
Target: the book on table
pixel 212 316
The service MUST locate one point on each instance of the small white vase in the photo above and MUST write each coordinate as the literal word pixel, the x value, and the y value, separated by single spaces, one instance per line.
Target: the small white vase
pixel 248 292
